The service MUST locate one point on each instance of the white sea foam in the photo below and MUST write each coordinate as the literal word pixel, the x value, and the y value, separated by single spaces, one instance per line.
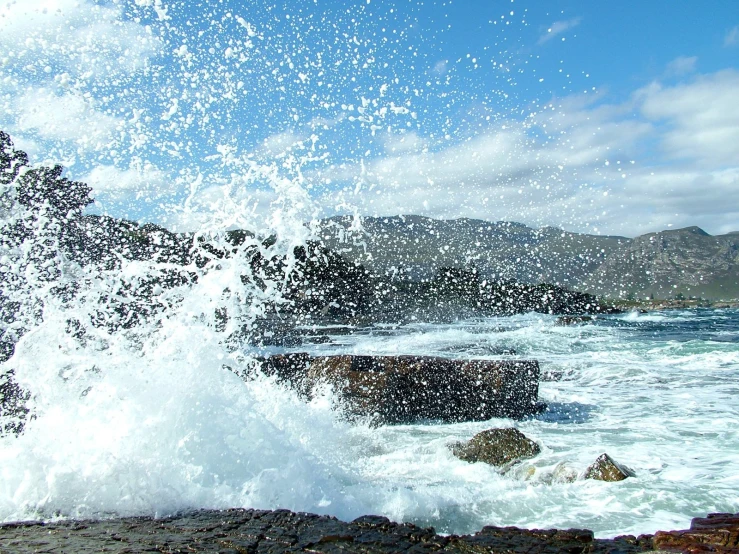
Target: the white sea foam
pixel 657 406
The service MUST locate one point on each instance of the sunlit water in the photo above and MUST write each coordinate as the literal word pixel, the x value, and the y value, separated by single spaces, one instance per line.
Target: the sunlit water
pixel 656 392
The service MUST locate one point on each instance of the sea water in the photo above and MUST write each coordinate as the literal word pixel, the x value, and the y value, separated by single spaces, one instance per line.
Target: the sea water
pixel 175 431
pixel 657 392
pixel 158 418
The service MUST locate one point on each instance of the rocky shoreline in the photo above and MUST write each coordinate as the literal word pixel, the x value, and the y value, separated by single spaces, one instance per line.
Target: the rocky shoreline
pixel 659 305
pixel 252 531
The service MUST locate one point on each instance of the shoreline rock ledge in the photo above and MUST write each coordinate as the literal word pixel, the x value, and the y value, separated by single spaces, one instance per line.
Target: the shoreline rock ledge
pixel 406 389
pixel 254 531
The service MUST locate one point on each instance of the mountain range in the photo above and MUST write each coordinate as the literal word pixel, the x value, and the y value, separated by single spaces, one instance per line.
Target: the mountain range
pixel 668 264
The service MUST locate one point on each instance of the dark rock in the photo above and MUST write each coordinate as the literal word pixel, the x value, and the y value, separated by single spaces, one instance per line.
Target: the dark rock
pixel 512 539
pixel 552 375
pixel 573 320
pixel 456 293
pixel 274 334
pixel 251 531
pixel 13 410
pixel 497 447
pixel 606 468
pixel 715 533
pixel 401 389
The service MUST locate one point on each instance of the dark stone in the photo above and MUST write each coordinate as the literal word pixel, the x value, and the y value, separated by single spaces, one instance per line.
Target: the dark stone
pixel 497 447
pixel 606 468
pixel 512 539
pixel 573 320
pixel 252 531
pixel 714 533
pixel 13 410
pixel 401 389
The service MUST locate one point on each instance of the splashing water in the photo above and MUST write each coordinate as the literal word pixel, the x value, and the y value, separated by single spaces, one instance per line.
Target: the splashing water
pixel 141 396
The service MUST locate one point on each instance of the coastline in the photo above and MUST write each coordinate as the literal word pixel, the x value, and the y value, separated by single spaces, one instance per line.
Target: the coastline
pixel 277 531
pixel 671 304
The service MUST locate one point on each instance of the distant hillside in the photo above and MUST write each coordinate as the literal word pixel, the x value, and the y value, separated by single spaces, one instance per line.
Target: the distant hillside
pixel 686 262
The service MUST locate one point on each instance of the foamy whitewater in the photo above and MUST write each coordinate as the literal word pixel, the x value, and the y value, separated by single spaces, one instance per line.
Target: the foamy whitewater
pixel 169 429
pixel 213 117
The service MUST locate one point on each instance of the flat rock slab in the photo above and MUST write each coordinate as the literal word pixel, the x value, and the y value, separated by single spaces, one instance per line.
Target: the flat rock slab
pixel 404 389
pixel 254 531
pixel 715 533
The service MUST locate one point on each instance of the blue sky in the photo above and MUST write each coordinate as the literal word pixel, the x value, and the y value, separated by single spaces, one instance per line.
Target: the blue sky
pixel 600 117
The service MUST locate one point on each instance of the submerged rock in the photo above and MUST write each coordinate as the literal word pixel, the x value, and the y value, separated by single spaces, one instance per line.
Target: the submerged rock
pixel 497 447
pixel 573 320
pixel 606 468
pixel 403 389
pixel 519 471
pixel 564 473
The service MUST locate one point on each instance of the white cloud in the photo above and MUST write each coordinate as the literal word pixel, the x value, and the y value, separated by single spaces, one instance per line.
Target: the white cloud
pixel 700 118
pixel 557 28
pixel 521 169
pixel 440 67
pixel 280 143
pixel 144 181
pixel 408 141
pixel 501 175
pixel 656 198
pixel 57 58
pixel 732 36
pixel 326 123
pixel 86 39
pixel 572 166
pixel 67 117
pixel 682 65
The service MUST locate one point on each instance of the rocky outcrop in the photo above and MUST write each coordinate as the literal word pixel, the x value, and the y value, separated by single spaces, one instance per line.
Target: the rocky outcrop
pixel 251 531
pixel 13 410
pixel 606 468
pixel 715 533
pixel 458 293
pixel 402 389
pixel 572 320
pixel 497 447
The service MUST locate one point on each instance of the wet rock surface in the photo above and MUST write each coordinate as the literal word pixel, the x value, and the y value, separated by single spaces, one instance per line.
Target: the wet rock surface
pixel 606 468
pixel 254 531
pixel 566 320
pixel 497 447
pixel 402 389
pixel 715 533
